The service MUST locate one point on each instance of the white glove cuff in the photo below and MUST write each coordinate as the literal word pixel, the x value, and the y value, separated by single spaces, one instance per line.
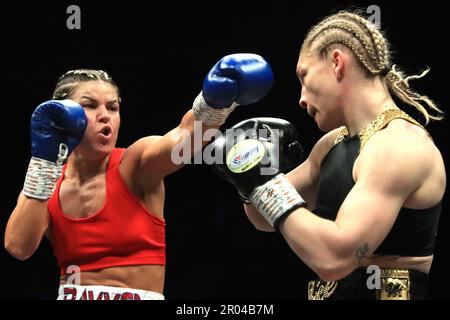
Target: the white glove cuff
pixel 42 175
pixel 276 198
pixel 209 115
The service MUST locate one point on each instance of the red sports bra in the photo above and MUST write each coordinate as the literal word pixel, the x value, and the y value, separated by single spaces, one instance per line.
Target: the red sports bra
pixel 122 233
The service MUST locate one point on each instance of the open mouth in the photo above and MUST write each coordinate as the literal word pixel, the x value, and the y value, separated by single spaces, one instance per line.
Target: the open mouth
pixel 106 131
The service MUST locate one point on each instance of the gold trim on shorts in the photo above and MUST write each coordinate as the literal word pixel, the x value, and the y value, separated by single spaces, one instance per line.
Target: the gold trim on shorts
pixel 320 290
pixel 395 284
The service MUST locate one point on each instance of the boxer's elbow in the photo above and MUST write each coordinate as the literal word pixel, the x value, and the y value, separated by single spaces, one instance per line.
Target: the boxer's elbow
pixel 334 270
pixel 17 250
pixel 337 263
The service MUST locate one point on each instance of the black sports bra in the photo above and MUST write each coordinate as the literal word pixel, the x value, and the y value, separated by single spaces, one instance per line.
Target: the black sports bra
pixel 414 231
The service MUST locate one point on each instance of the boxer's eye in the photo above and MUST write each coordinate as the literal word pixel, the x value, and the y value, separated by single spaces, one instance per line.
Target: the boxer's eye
pixel 113 107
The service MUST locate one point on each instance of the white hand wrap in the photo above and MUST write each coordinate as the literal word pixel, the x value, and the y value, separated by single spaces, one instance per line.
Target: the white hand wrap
pixel 276 198
pixel 42 175
pixel 209 115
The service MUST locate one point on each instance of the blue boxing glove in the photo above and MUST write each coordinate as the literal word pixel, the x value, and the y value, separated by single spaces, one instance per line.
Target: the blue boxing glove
pixel 237 79
pixel 57 127
pixel 53 123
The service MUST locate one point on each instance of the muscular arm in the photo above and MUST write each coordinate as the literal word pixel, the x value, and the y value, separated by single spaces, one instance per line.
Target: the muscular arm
pixel 234 80
pixel 26 226
pixel 53 122
pixel 384 180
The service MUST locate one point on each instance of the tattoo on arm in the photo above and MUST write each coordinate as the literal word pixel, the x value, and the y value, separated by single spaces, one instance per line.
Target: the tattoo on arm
pixel 361 252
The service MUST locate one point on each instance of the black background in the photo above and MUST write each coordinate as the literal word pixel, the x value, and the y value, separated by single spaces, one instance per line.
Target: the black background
pixel 158 54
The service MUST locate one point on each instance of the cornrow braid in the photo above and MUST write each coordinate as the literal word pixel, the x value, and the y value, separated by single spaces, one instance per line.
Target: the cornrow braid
pixel 379 44
pixel 371 50
pixel 68 82
pixel 399 85
pixel 364 56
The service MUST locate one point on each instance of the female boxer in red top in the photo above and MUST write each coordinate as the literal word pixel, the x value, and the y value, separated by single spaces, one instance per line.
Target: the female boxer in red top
pixel 103 210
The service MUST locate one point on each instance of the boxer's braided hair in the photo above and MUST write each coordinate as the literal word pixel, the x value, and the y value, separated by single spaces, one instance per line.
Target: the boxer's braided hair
pixel 371 50
pixel 68 82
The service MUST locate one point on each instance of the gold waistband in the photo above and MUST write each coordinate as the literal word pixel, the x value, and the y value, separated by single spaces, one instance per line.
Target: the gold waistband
pixel 321 290
pixel 393 284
